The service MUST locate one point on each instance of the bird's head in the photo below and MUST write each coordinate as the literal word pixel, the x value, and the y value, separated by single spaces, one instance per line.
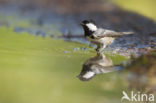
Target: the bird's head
pixel 89 25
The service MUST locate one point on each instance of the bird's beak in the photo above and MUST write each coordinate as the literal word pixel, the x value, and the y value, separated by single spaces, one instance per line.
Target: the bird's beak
pixel 78 76
pixel 81 24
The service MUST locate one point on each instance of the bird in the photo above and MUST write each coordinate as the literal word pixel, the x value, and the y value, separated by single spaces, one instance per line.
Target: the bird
pixel 99 36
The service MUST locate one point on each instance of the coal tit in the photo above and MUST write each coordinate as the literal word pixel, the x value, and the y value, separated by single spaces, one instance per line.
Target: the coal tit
pixel 99 36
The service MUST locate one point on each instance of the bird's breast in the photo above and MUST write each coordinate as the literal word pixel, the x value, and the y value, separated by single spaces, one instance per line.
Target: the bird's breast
pixel 105 40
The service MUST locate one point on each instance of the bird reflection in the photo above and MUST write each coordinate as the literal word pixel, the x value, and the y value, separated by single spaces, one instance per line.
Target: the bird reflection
pixel 138 72
pixel 96 65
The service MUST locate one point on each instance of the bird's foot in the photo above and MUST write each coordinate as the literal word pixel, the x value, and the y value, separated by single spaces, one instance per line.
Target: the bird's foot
pixel 98 51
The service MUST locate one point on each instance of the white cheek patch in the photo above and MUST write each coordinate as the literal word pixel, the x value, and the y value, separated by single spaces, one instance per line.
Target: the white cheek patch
pixel 88 75
pixel 91 26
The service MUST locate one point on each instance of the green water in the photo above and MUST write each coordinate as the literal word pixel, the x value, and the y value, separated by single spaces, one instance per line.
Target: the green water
pixel 43 70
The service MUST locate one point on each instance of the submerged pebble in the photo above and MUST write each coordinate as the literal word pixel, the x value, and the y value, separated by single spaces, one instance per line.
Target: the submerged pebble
pixel 76 49
pixel 84 49
pixel 41 33
pixel 19 29
pixel 66 52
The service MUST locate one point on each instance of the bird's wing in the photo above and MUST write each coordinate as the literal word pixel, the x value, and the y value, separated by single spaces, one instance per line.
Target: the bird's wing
pixel 100 33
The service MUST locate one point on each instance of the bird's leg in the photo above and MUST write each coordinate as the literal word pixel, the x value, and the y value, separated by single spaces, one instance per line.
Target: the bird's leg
pixel 102 47
pixel 98 48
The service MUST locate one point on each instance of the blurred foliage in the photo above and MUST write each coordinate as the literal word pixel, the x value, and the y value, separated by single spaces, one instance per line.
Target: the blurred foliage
pixel 145 7
pixel 141 73
pixel 43 70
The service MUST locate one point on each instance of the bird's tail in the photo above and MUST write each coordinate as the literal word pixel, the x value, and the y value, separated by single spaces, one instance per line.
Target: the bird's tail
pixel 127 33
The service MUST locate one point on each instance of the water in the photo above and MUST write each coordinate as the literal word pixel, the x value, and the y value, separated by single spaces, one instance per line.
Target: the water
pixel 37 68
